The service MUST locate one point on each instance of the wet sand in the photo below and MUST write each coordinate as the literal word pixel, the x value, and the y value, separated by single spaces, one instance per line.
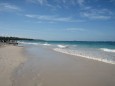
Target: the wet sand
pixel 10 58
pixel 46 67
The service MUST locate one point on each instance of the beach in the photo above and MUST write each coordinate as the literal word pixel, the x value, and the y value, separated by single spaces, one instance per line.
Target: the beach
pixel 46 67
pixel 10 58
pixel 57 42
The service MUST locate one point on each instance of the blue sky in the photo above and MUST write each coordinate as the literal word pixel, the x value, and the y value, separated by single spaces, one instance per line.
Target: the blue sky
pixel 88 20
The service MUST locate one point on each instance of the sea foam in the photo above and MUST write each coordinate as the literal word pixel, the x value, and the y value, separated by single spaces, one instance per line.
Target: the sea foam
pixel 62 46
pixel 30 43
pixel 73 52
pixel 46 44
pixel 107 50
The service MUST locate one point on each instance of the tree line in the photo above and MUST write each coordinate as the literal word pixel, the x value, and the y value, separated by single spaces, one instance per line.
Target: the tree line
pixel 12 40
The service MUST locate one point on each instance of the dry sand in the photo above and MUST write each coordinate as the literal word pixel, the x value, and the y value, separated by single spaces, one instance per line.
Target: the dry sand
pixel 10 58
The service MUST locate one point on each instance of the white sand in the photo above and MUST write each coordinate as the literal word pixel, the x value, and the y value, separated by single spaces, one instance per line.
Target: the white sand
pixel 50 68
pixel 10 58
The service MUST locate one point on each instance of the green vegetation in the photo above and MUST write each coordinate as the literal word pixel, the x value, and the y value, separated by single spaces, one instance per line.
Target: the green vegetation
pixel 13 40
pixel 6 39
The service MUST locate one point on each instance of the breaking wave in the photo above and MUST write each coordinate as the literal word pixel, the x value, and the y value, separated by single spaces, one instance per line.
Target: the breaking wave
pixel 108 50
pixel 28 43
pixel 62 46
pixel 46 44
pixel 73 52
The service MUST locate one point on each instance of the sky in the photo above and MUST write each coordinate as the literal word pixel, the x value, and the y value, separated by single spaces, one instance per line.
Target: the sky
pixel 82 20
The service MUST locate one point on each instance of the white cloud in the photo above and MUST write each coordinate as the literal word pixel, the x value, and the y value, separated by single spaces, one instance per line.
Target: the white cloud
pixel 95 16
pixel 41 2
pixel 64 3
pixel 31 16
pixel 97 13
pixel 75 29
pixel 80 2
pixel 52 18
pixel 39 22
pixel 72 2
pixel 8 7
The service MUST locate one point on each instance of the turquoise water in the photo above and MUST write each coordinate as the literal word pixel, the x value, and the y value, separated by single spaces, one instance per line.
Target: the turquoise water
pixel 95 50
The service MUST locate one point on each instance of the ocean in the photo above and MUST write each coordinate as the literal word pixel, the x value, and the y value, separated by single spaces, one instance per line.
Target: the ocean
pixel 103 51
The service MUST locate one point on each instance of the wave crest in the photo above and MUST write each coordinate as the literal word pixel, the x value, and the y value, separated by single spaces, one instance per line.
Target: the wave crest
pixel 30 43
pixel 46 44
pixel 62 46
pixel 72 52
pixel 107 50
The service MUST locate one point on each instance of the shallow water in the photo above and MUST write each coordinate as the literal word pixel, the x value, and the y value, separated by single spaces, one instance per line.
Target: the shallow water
pixel 101 51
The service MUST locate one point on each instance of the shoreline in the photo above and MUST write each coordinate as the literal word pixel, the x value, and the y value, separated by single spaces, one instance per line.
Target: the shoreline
pixel 10 58
pixel 50 68
pixel 83 56
pixel 46 67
